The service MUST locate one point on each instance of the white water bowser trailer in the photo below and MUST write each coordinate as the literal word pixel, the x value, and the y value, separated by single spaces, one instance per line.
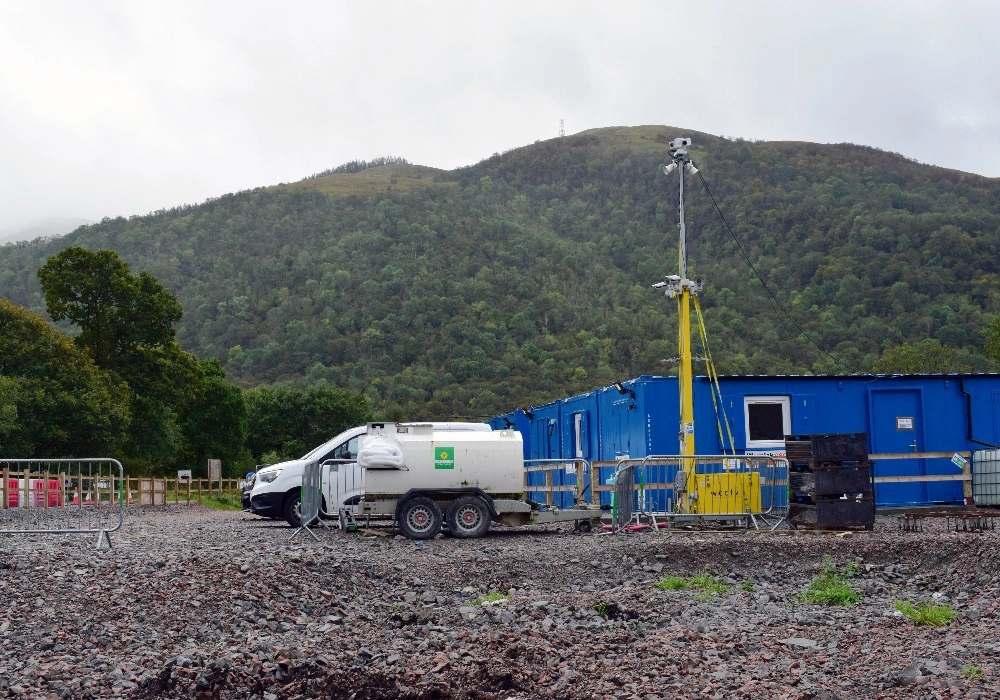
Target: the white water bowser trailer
pixel 427 479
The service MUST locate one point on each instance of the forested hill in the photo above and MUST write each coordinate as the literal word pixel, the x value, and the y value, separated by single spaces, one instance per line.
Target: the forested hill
pixel 527 276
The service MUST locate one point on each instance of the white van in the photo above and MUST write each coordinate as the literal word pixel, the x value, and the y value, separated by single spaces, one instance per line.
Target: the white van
pixel 275 491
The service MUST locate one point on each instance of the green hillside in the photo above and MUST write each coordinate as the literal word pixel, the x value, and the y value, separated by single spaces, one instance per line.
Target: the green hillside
pixel 526 277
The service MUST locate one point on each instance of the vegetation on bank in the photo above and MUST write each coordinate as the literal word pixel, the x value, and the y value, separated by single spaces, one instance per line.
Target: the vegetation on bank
pixel 707 586
pixel 832 585
pixel 423 294
pixel 924 613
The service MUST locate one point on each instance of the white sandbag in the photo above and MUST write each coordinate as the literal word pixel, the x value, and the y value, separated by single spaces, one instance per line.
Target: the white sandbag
pixel 380 452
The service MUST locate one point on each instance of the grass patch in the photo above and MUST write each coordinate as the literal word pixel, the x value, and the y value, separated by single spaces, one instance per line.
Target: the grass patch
pixel 490 598
pixel 831 586
pixel 220 500
pixel 747 586
pixel 971 672
pixel 707 586
pixel 223 501
pixel 602 608
pixel 672 583
pixel 927 613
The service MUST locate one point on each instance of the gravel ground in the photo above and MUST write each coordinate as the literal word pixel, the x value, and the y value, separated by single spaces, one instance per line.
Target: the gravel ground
pixel 195 603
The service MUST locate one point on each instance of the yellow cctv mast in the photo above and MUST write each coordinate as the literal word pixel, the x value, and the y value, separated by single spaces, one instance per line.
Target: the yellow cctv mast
pixel 680 287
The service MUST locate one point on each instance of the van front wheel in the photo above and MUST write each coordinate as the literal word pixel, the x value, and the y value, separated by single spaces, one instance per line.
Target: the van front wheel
pixel 293 510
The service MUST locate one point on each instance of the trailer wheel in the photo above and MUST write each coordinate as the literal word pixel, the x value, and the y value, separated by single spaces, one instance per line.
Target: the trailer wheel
pixel 468 517
pixel 420 518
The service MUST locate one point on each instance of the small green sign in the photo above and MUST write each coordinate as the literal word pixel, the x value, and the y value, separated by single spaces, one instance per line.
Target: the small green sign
pixel 444 457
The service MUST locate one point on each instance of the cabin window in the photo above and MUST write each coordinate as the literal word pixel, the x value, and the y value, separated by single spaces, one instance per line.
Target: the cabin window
pixel 768 421
pixel 578 435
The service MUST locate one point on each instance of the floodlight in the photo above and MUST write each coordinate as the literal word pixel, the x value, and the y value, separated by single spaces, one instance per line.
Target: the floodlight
pixel 622 389
pixel 689 166
pixel 667 169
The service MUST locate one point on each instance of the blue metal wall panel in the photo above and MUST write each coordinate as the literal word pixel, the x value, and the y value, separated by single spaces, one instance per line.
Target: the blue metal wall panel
pixel 586 406
pixel 982 399
pixel 817 405
pixel 546 441
pixel 582 408
pixel 642 425
pixel 523 426
pixel 499 422
pixel 546 437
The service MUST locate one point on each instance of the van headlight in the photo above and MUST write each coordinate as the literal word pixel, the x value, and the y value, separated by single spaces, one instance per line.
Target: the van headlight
pixel 267 477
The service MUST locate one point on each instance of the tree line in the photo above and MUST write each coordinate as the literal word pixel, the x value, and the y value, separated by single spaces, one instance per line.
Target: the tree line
pixel 123 387
pixel 527 277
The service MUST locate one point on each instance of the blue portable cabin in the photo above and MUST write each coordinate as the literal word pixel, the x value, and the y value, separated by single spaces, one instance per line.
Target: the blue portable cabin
pixel 911 413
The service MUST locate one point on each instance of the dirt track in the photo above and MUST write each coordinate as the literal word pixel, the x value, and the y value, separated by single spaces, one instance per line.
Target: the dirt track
pixel 191 602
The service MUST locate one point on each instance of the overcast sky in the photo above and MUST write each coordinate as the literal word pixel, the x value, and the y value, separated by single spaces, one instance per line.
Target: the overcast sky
pixel 121 107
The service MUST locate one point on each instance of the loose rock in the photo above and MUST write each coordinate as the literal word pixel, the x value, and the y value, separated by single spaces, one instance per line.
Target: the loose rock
pixel 196 603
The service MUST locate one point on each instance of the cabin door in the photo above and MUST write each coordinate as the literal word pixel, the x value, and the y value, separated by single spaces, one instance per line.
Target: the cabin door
pixel 897 426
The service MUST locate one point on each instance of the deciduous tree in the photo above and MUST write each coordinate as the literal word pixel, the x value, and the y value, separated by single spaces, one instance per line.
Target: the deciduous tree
pixel 119 314
pixel 126 324
pixel 54 401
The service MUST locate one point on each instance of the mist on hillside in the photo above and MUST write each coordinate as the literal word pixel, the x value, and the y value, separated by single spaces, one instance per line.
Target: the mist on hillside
pixel 46 228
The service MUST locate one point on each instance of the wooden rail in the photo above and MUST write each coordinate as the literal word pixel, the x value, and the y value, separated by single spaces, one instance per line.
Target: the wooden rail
pixel 964 475
pixel 18 489
pixel 148 491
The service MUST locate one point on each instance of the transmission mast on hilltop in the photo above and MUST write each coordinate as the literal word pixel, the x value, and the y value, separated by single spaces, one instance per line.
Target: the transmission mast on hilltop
pixel 562 127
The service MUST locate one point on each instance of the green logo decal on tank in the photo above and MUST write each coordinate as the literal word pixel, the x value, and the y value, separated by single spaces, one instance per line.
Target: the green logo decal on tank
pixel 444 457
